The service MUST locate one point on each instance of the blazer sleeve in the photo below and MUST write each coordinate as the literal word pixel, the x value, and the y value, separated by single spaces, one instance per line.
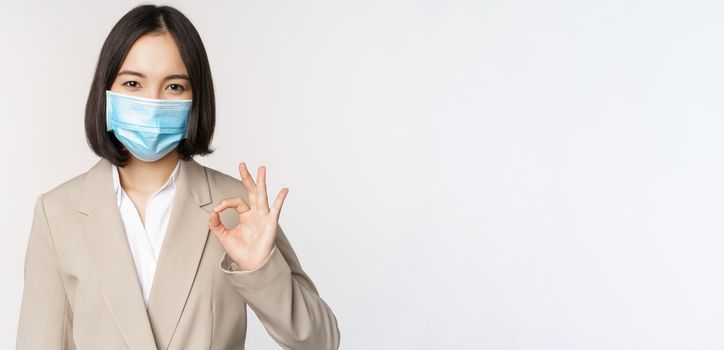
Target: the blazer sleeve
pixel 45 320
pixel 285 300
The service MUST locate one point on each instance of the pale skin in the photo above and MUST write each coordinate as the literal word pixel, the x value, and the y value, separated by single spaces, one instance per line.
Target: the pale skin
pixel 153 68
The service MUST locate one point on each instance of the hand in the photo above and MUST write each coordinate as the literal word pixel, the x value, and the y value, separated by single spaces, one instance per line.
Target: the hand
pixel 249 243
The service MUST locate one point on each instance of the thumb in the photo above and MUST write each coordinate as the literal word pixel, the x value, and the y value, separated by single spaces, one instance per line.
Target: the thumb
pixel 216 226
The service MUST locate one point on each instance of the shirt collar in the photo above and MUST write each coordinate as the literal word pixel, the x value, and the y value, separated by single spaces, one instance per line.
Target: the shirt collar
pixel 171 179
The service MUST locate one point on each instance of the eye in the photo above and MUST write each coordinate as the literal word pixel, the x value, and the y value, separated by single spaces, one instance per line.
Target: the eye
pixel 131 83
pixel 177 87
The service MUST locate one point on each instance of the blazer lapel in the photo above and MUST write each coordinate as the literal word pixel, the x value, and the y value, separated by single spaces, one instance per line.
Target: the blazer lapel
pixel 187 231
pixel 183 245
pixel 108 248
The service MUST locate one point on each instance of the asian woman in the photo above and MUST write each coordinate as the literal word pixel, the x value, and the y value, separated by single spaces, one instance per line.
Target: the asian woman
pixel 140 251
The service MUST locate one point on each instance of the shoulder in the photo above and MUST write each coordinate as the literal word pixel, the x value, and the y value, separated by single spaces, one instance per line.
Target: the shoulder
pixel 66 193
pixel 60 202
pixel 223 185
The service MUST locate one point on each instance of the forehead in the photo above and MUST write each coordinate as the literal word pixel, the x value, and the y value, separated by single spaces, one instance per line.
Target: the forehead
pixel 155 55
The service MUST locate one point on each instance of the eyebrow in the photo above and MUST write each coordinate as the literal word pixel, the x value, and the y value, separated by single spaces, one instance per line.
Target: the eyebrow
pixel 172 76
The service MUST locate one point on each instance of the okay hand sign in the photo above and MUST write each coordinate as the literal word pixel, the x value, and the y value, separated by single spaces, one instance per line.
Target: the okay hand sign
pixel 249 243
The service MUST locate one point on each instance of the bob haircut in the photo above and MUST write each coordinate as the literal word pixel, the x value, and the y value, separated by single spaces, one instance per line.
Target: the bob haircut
pixel 137 22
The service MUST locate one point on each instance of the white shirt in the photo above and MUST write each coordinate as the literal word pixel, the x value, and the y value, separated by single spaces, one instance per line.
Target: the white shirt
pixel 145 242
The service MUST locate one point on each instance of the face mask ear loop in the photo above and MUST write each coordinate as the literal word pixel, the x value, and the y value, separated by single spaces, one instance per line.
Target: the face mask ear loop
pixel 108 112
pixel 188 120
pixel 187 127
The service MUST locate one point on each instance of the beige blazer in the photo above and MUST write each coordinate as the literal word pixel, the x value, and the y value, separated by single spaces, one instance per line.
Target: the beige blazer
pixel 81 290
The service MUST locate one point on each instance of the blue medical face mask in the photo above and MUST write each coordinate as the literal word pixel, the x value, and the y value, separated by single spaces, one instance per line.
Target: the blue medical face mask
pixel 149 128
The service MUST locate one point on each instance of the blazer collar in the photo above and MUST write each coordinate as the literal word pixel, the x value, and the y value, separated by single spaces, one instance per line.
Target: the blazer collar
pixel 142 327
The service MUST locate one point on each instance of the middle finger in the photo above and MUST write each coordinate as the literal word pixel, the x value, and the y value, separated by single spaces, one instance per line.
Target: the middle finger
pixel 263 202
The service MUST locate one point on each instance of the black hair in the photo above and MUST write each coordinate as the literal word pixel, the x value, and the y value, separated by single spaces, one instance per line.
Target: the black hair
pixel 139 21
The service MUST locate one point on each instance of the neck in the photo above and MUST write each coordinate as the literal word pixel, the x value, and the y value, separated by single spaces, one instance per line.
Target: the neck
pixel 147 177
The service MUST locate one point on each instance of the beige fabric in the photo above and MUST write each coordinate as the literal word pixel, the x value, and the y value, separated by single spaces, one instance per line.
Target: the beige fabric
pixel 145 237
pixel 81 290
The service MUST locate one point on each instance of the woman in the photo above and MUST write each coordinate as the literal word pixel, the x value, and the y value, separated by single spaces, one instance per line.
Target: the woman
pixel 95 274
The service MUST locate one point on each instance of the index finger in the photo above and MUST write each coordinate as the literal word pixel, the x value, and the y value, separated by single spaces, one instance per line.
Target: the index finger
pixel 246 178
pixel 234 202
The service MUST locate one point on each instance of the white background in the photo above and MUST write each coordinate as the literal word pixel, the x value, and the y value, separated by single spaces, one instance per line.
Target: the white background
pixel 463 175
